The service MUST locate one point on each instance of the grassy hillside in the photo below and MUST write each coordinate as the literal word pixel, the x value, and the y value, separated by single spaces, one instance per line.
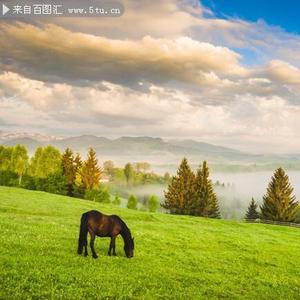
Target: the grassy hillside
pixel 176 256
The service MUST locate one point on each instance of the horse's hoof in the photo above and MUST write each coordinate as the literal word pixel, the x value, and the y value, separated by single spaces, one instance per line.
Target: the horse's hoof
pixel 115 254
pixel 108 254
pixel 85 254
pixel 95 256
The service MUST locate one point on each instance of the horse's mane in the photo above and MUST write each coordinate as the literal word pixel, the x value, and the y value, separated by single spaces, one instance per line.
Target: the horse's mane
pixel 125 231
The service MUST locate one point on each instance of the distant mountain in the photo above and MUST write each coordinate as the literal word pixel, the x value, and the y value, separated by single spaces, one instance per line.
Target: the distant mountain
pixel 155 150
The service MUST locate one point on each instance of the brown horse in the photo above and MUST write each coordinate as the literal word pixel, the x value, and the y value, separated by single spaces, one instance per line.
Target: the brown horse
pixel 98 224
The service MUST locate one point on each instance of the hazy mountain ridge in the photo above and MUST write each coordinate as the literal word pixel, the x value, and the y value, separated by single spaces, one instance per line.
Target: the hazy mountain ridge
pixel 155 150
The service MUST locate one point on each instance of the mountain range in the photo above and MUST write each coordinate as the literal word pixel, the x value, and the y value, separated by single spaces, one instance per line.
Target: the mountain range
pixel 157 151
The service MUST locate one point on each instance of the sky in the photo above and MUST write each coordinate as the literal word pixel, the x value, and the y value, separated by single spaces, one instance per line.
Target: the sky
pixel 223 72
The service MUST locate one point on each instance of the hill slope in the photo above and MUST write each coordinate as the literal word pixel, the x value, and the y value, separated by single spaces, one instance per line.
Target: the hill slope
pixel 176 256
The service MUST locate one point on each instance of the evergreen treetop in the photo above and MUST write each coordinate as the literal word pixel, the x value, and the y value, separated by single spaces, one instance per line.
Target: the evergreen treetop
pixel 279 203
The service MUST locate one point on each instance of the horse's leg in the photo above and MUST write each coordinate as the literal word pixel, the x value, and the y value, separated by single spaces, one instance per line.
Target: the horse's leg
pixel 92 241
pixel 85 249
pixel 110 246
pixel 114 245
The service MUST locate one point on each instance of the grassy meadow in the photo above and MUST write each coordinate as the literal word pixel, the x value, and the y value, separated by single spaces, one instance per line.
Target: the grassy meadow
pixel 176 257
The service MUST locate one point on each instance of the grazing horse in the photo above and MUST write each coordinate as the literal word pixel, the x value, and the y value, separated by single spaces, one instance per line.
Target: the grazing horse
pixel 98 224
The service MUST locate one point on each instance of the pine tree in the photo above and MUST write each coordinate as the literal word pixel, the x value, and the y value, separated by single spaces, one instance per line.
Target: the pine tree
pixel 205 203
pixel 279 203
pixel 90 172
pixel 69 170
pixel 252 213
pixel 180 193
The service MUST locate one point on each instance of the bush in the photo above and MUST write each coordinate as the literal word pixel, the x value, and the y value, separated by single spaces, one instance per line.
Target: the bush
pixel 28 182
pixel 153 203
pixel 132 202
pixel 56 184
pixel 98 195
pixel 8 178
pixel 117 200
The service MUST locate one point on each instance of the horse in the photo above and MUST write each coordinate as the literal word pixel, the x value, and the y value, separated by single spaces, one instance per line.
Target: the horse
pixel 98 224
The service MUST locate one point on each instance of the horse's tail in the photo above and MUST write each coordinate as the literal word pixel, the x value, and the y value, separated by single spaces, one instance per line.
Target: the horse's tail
pixel 82 241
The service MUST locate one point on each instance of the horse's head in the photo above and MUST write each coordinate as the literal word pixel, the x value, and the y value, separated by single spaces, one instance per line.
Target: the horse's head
pixel 129 247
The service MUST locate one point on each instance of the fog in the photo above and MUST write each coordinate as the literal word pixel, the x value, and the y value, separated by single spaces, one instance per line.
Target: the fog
pixel 242 187
pixel 235 196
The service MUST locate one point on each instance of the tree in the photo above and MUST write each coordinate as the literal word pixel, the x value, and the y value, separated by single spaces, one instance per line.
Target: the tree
pixel 128 172
pixel 252 213
pixel 132 202
pixel 205 203
pixel 180 193
pixel 98 195
pixel 279 203
pixel 108 167
pixel 167 177
pixel 90 172
pixel 45 161
pixel 69 169
pixel 19 161
pixel 5 158
pixel 142 167
pixel 153 203
pixel 34 162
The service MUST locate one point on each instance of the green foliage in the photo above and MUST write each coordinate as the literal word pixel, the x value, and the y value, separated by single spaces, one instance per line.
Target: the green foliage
pixel 252 213
pixel 98 195
pixel 190 194
pixel 55 184
pixel 128 172
pixel 180 193
pixel 189 258
pixel 205 203
pixel 8 178
pixel 132 202
pixel 5 158
pixel 279 203
pixel 90 172
pixel 45 161
pixel 117 200
pixel 153 203
pixel 19 161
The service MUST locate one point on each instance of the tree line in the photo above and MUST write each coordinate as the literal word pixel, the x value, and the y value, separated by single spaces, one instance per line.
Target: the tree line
pixel 188 192
pixel 68 174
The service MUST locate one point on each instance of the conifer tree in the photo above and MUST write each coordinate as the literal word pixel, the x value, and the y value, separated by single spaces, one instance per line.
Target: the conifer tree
pixel 205 203
pixel 279 203
pixel 180 193
pixel 90 171
pixel 252 213
pixel 69 170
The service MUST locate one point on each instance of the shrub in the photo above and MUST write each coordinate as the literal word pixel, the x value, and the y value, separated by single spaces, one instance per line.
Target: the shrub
pixel 132 202
pixel 117 200
pixel 8 178
pixel 98 195
pixel 153 203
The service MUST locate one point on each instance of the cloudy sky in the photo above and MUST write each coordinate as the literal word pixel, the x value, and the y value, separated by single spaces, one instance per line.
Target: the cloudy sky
pixel 227 75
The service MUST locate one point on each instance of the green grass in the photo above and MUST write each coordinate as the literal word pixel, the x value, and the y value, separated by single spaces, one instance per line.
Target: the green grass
pixel 176 256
